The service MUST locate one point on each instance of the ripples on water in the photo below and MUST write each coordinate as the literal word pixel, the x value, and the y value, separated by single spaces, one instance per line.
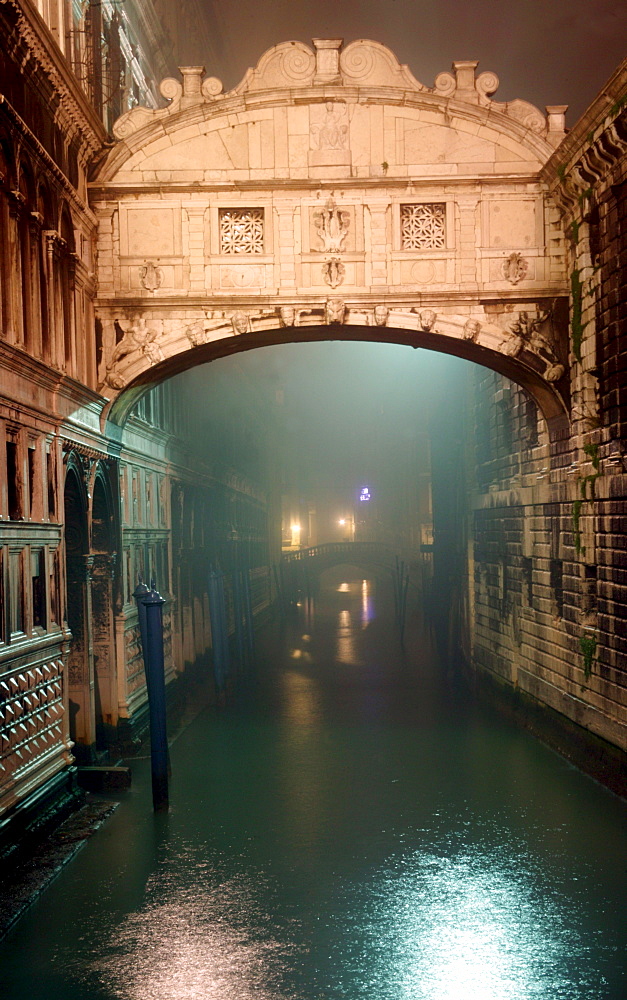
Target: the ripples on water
pixel 341 843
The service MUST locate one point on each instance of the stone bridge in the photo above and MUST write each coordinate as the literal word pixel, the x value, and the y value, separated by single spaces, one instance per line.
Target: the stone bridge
pixel 300 568
pixel 331 195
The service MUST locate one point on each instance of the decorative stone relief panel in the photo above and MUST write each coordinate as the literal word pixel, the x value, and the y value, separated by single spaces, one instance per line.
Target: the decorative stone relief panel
pixel 423 272
pixel 150 230
pixel 332 228
pixel 512 223
pixel 242 276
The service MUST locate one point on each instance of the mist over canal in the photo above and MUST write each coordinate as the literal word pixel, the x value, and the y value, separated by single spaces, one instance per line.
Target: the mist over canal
pixel 348 828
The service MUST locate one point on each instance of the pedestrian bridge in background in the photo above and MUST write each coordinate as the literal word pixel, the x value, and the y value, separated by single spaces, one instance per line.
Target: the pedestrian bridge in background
pixel 303 566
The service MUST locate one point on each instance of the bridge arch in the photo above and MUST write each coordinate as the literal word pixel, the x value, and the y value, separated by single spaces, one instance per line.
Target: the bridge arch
pixel 331 195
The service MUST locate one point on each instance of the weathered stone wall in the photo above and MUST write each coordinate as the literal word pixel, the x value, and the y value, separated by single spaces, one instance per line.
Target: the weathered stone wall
pixel 549 552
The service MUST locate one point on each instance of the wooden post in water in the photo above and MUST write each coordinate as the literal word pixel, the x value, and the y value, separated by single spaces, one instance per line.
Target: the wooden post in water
pixel 155 670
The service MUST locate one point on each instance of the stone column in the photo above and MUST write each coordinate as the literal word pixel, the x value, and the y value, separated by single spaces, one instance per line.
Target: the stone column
pixel 80 656
pixel 196 246
pixel 377 235
pixel 103 643
pixel 468 229
pixel 285 246
pixel 15 329
pixel 35 225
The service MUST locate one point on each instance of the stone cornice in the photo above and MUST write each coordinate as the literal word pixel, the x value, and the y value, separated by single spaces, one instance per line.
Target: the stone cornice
pixel 51 62
pixel 14 359
pixel 36 147
pixel 591 150
pixel 106 191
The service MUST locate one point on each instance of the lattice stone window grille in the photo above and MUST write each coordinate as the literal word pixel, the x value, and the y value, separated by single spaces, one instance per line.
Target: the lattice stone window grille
pixel 241 230
pixel 423 227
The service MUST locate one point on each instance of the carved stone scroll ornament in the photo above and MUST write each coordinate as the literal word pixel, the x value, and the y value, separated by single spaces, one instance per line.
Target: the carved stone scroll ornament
pixel 151 276
pixel 515 268
pixel 332 224
pixel 333 271
pixel 335 311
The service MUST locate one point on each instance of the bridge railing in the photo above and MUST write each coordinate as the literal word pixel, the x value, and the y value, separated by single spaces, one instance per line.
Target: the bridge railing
pixel 354 549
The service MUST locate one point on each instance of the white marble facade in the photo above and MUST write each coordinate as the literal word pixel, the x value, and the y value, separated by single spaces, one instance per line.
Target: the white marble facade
pixel 331 175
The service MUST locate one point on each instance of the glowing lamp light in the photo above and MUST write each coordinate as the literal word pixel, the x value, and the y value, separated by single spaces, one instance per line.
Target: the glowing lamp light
pixel 342 521
pixel 295 527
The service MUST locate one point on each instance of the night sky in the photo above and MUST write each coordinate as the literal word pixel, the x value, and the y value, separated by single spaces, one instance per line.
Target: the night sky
pixel 543 51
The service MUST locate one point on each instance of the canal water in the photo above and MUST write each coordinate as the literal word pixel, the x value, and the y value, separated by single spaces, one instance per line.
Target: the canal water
pixel 352 829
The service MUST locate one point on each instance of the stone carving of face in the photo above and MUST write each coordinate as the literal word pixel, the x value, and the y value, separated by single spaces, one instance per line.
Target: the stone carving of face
pixel 335 310
pixel 287 315
pixel 472 329
pixel 381 314
pixel 240 322
pixel 427 320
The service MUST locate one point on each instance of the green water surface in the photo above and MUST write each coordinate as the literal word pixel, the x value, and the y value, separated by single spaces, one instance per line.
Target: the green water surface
pixel 348 831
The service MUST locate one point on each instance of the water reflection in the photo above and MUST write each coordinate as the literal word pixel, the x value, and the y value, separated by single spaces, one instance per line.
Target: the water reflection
pixel 198 944
pixel 346 651
pixel 447 929
pixel 367 606
pixel 353 834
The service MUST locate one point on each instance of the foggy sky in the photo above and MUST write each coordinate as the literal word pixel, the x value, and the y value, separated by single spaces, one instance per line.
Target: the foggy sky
pixel 543 51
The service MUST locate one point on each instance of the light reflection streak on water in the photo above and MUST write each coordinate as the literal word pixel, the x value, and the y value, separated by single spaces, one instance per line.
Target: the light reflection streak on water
pixel 198 944
pixel 445 929
pixel 367 609
pixel 346 652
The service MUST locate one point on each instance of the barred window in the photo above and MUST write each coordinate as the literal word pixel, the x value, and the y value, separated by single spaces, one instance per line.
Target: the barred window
pixel 423 226
pixel 241 230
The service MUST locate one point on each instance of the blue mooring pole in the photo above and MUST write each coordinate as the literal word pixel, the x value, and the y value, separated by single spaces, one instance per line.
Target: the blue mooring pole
pixel 153 657
pixel 139 593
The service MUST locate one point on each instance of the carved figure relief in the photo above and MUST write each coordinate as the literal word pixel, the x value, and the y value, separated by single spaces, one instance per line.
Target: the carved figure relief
pixel 471 330
pixel 198 332
pixel 381 315
pixel 332 224
pixel 335 311
pixel 151 276
pixel 427 320
pixel 138 337
pixel 288 316
pixel 533 333
pixel 329 130
pixel 515 268
pixel 241 322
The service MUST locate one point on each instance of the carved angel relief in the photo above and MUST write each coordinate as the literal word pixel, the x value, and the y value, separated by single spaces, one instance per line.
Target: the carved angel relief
pixel 138 337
